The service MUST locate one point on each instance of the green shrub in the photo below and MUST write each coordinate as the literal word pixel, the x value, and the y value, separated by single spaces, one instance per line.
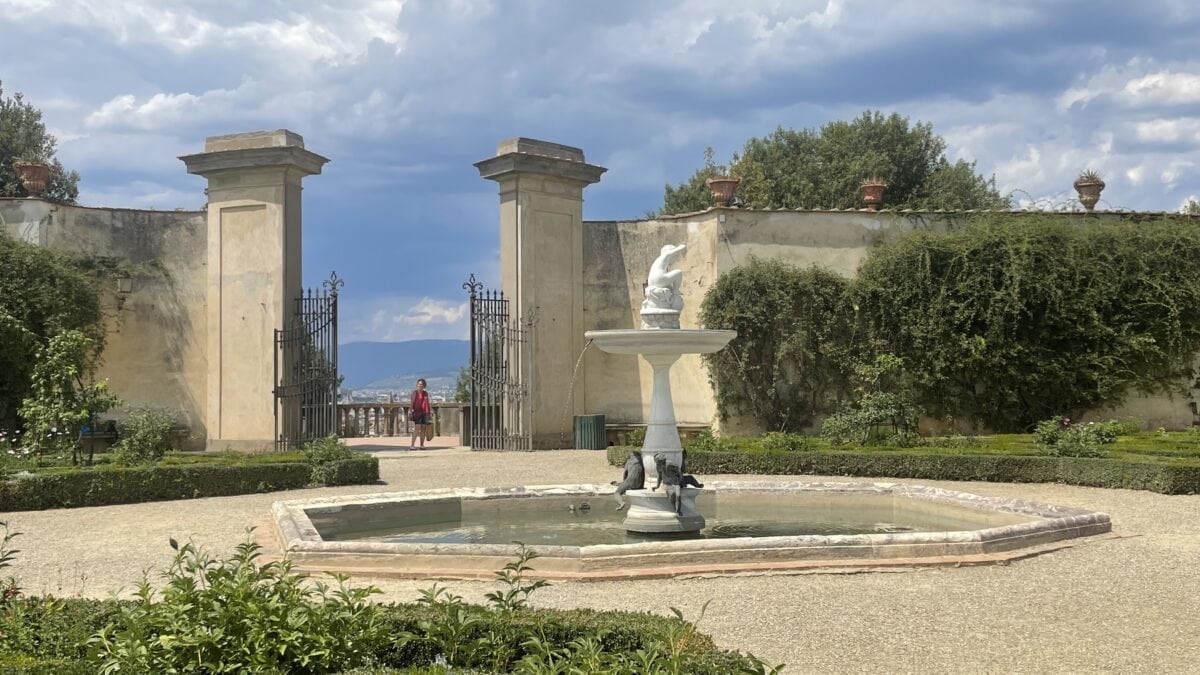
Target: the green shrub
pixel 795 330
pixel 1111 473
pixel 704 441
pixel 145 436
pixel 332 462
pixel 637 436
pixel 236 615
pixel 125 485
pixel 363 469
pixel 883 412
pixel 778 441
pixel 1012 317
pixel 1062 438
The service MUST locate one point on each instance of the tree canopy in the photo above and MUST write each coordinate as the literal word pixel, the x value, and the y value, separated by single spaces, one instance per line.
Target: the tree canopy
pixel 42 293
pixel 23 136
pixel 813 169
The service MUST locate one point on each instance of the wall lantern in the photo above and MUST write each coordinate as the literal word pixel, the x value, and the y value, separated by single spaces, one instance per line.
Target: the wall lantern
pixel 124 288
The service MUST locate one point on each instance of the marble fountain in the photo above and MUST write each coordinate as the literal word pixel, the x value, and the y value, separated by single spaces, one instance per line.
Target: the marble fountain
pixel 676 526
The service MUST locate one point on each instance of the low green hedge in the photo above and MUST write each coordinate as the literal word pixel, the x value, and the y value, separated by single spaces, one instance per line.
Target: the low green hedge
pixel 1164 478
pixel 111 484
pixel 360 470
pixel 50 637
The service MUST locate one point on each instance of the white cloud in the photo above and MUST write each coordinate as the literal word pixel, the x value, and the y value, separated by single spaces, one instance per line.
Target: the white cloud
pixel 394 319
pixel 303 31
pixel 1169 130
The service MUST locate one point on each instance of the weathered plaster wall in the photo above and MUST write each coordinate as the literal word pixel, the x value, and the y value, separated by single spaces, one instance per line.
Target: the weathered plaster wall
pixel 617 257
pixel 156 335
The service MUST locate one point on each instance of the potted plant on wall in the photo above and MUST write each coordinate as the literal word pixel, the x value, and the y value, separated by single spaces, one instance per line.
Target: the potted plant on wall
pixel 723 188
pixel 872 190
pixel 34 175
pixel 1088 185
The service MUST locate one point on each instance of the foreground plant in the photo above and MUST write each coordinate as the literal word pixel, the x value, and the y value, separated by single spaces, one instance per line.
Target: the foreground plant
pixel 236 615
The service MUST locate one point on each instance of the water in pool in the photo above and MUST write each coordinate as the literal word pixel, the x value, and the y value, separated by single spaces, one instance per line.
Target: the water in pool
pixel 593 520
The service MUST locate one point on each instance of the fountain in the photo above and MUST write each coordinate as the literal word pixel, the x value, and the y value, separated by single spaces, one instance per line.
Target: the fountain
pixel 756 526
pixel 661 342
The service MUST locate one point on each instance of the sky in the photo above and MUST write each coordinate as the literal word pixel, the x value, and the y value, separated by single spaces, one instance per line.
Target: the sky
pixel 404 96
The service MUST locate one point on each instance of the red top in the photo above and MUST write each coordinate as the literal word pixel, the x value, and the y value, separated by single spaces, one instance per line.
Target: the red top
pixel 420 402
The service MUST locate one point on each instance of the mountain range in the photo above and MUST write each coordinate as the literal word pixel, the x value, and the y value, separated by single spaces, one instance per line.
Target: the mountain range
pixel 387 365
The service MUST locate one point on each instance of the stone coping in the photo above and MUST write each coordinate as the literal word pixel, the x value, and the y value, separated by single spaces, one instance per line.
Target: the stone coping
pixel 1048 524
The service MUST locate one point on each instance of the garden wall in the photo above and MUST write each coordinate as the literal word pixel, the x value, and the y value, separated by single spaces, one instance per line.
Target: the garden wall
pixel 617 256
pixel 155 353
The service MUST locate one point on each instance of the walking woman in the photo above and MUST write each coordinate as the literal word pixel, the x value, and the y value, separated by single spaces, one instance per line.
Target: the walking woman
pixel 420 413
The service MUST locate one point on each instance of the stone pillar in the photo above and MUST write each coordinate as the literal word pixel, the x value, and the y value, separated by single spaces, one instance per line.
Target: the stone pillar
pixel 253 274
pixel 541 267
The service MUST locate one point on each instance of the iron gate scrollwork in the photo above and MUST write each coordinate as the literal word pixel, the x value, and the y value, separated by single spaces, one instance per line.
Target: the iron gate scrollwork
pixel 500 416
pixel 306 369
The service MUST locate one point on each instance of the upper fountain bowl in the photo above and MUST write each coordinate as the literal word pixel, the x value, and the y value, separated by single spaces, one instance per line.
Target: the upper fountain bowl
pixel 660 340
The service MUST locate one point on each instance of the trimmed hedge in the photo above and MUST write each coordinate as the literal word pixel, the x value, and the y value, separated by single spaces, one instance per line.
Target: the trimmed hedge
pixel 104 485
pixel 44 639
pixel 1171 479
pixel 360 470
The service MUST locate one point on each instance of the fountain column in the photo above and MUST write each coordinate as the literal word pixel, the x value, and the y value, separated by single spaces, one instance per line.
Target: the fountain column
pixel 662 433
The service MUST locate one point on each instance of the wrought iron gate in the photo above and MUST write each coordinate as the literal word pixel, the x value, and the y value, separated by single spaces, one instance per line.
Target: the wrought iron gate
pixel 501 412
pixel 306 370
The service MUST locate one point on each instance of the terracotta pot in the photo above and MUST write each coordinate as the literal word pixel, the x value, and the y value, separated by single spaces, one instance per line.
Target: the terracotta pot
pixel 1089 193
pixel 34 176
pixel 872 194
pixel 723 188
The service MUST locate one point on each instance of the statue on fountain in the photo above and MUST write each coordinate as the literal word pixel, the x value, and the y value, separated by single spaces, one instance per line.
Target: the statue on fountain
pixel 663 301
pixel 675 479
pixel 634 478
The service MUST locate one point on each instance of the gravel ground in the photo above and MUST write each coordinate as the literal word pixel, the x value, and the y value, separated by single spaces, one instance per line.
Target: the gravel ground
pixel 1121 605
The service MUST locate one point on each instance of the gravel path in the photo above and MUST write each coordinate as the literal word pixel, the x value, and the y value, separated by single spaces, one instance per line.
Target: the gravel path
pixel 1130 604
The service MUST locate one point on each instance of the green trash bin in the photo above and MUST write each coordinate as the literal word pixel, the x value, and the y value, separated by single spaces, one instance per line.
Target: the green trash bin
pixel 589 432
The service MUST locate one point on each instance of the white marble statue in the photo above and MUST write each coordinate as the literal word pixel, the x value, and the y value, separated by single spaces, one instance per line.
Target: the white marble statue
pixel 663 300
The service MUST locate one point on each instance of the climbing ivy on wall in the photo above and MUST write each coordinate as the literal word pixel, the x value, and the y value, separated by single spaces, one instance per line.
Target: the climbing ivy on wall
pixel 1006 320
pixel 791 359
pixel 1015 318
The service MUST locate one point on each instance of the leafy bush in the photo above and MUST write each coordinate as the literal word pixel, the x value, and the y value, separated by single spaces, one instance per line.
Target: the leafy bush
pixel 125 485
pixel 332 462
pixel 791 358
pixel 883 413
pixel 704 440
pixel 145 436
pixel 236 615
pixel 777 441
pixel 1061 438
pixel 245 617
pixel 1012 318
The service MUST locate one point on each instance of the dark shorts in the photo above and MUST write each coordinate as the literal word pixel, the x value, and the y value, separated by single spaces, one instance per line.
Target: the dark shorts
pixel 421 419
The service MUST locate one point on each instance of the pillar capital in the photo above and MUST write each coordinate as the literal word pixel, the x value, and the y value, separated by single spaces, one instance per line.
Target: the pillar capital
pixel 254 150
pixel 528 155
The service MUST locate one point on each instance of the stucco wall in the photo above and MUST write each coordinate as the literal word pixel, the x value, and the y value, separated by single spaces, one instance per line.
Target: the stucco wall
pixel 617 256
pixel 156 336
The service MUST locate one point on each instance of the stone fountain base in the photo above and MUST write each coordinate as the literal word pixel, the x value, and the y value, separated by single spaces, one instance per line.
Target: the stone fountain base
pixel 650 511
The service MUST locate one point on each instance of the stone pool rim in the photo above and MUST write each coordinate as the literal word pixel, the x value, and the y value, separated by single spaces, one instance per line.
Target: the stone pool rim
pixel 1052 526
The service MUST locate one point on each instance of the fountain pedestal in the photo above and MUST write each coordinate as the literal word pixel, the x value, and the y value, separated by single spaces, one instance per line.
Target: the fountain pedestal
pixel 650 511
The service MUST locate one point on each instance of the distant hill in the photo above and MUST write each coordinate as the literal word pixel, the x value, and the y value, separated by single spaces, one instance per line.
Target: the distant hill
pixel 365 364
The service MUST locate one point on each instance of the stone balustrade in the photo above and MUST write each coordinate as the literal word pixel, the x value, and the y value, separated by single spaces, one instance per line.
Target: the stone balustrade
pixel 360 420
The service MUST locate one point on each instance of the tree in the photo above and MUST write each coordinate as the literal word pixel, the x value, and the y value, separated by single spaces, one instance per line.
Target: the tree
pixel 23 136
pixel 1191 208
pixel 462 385
pixel 63 400
pixel 42 293
pixel 810 169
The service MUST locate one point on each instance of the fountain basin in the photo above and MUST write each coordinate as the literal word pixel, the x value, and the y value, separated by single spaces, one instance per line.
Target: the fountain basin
pixel 439 533
pixel 661 341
